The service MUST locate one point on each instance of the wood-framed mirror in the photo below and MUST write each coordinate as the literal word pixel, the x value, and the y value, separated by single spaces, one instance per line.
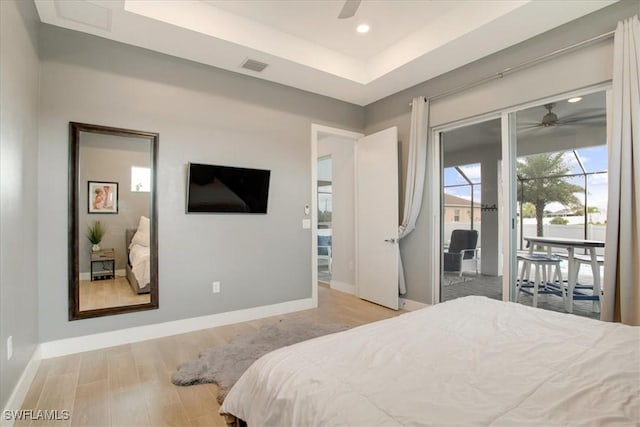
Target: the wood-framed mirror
pixel 113 221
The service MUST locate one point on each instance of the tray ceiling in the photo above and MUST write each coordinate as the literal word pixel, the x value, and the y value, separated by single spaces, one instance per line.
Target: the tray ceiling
pixel 304 44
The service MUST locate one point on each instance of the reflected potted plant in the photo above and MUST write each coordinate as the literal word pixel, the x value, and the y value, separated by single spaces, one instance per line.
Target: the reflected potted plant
pixel 95 233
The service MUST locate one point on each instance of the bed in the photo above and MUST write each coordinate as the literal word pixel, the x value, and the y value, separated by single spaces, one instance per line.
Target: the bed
pixel 138 264
pixel 470 361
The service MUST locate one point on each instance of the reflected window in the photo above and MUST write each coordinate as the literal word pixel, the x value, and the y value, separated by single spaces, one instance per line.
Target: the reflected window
pixel 140 179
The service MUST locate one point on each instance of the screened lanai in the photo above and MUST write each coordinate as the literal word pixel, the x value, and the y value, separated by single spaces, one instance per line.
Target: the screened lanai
pixel 561 192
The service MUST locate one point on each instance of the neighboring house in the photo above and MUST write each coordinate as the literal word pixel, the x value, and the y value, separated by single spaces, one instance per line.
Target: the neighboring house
pixel 51 76
pixel 457 209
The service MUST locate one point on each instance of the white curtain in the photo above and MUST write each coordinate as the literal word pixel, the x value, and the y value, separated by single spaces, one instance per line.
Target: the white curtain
pixel 415 175
pixel 621 284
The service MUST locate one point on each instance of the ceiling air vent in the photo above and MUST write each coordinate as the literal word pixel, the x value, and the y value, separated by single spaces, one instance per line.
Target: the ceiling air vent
pixel 253 65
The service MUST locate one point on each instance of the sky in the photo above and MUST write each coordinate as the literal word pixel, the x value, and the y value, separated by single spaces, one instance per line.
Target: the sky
pixel 594 159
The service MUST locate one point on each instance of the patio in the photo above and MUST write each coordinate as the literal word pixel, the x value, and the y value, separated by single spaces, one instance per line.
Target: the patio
pixel 491 287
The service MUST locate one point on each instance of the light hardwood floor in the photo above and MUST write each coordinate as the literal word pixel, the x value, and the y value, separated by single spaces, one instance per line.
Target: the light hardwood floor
pixel 130 385
pixel 109 293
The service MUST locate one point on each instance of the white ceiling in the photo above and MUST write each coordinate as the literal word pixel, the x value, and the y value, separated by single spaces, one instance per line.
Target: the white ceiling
pixel 307 47
pixel 315 21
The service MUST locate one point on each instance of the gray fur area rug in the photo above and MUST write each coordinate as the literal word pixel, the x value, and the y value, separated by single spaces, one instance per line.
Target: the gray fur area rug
pixel 224 364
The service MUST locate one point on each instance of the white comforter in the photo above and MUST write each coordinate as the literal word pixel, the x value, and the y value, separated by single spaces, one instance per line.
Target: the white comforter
pixel 472 361
pixel 139 256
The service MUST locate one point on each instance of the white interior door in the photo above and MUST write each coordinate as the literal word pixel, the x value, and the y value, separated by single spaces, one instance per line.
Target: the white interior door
pixel 377 217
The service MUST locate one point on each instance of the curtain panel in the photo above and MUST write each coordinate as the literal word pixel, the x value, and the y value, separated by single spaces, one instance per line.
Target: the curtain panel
pixel 416 167
pixel 621 284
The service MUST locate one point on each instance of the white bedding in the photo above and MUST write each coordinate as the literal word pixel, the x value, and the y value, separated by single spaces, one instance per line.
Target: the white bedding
pixel 471 361
pixel 139 256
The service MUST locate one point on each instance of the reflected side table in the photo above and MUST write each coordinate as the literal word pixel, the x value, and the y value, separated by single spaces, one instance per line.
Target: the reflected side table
pixel 103 264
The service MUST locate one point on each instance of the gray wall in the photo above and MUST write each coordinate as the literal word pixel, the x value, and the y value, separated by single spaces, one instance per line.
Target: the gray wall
pixel 202 115
pixel 589 66
pixel 110 165
pixel 18 189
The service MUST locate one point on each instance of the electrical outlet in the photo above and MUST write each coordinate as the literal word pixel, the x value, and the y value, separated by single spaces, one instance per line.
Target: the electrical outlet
pixel 10 347
pixel 216 287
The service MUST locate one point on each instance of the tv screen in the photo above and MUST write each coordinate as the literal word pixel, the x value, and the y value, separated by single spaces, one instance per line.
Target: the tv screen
pixel 212 188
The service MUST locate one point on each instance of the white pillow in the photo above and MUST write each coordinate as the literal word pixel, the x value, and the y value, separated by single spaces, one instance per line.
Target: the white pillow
pixel 142 235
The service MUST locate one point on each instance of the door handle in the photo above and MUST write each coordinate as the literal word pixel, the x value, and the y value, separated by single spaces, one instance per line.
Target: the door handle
pixel 391 240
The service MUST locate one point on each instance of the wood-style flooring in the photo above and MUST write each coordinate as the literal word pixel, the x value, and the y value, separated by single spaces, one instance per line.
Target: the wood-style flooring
pixel 130 385
pixel 109 293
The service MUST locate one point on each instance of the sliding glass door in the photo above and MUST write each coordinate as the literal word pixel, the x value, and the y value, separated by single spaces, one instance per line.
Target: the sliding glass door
pixel 526 193
pixel 559 179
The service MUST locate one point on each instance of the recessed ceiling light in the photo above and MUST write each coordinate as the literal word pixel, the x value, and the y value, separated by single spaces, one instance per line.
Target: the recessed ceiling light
pixel 576 99
pixel 363 28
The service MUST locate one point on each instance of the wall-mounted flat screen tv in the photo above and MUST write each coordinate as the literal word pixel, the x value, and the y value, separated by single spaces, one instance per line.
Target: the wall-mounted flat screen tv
pixel 225 189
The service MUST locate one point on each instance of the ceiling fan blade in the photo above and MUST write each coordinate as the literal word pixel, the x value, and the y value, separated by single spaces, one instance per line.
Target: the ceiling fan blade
pixel 583 124
pixel 520 123
pixel 527 125
pixel 531 126
pixel 595 118
pixel 349 9
pixel 585 114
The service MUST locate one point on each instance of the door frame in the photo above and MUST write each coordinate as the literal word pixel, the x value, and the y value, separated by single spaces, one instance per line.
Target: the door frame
pixel 316 131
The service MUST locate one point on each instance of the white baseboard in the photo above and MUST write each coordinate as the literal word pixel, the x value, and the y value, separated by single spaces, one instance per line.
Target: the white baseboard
pixel 411 305
pixel 141 333
pixel 343 287
pixel 22 387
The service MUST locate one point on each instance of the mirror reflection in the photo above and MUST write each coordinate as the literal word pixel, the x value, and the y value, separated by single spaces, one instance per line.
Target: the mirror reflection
pixel 115 250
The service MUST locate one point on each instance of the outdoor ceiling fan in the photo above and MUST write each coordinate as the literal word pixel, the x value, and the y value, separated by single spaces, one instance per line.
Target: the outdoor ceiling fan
pixel 593 117
pixel 349 9
pixel 551 118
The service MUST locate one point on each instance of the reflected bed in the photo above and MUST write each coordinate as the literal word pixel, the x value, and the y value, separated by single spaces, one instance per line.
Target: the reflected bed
pixel 138 265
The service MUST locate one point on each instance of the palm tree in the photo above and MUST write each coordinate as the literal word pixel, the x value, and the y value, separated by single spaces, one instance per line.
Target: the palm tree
pixel 591 210
pixel 541 181
pixel 528 210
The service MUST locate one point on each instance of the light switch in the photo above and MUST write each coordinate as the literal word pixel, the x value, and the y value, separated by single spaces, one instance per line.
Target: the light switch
pixel 306 223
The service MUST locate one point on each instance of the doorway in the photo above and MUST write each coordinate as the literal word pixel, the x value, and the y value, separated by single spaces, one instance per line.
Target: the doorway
pixel 364 212
pixel 332 209
pixel 325 216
